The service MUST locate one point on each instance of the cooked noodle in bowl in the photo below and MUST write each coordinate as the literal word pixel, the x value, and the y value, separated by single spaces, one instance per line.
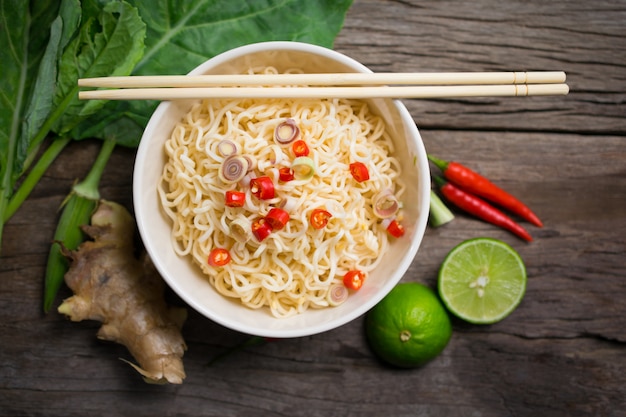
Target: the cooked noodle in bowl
pixel 293 268
pixel 283 272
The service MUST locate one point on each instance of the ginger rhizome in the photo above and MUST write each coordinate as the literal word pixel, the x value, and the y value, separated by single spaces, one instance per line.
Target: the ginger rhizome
pixel 126 294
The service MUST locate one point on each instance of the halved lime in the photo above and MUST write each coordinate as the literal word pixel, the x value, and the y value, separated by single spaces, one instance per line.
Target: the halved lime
pixel 482 280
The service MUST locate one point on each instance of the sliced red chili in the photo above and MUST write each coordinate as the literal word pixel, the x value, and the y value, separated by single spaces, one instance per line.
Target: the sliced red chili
pixel 395 229
pixel 219 257
pixel 300 148
pixel 354 279
pixel 261 229
pixel 319 218
pixel 359 171
pixel 277 218
pixel 234 198
pixel 285 174
pixel 262 188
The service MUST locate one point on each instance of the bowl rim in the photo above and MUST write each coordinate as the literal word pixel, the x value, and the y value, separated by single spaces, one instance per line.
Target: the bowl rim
pixel 402 267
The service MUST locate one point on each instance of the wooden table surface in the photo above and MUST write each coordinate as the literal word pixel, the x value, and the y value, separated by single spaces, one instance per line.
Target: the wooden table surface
pixel 561 353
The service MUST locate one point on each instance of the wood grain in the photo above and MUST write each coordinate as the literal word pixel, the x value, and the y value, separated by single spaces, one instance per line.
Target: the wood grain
pixel 561 353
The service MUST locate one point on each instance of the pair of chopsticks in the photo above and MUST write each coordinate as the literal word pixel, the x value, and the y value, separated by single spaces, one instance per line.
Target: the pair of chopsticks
pixel 336 85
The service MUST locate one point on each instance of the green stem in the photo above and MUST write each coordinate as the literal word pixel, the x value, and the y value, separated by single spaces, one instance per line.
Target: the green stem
pixel 47 126
pixel 34 176
pixel 7 181
pixel 440 214
pixel 440 163
pixel 89 186
pixel 439 181
pixel 77 210
pixel 6 187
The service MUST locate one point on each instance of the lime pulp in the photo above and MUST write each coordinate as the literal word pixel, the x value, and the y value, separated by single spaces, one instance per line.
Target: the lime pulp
pixel 482 280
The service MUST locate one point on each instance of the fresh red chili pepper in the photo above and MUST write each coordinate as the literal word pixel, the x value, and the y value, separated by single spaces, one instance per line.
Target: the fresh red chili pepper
pixel 319 218
pixel 262 188
pixel 234 198
pixel 479 208
pixel 261 229
pixel 219 257
pixel 359 171
pixel 475 183
pixel 395 229
pixel 277 218
pixel 300 148
pixel 285 174
pixel 354 279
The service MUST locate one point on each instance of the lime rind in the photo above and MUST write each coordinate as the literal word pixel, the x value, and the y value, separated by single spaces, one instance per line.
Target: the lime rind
pixel 482 280
pixel 414 311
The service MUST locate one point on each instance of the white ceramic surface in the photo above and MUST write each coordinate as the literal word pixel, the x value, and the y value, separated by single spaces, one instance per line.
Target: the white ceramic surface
pixel 187 280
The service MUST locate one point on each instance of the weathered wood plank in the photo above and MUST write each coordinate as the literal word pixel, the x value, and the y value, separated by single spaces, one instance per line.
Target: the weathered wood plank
pixel 584 39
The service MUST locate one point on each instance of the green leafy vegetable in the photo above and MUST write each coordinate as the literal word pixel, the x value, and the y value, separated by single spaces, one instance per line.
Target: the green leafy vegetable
pixel 48 45
pixel 105 41
pixel 23 45
pixel 183 34
pixel 41 104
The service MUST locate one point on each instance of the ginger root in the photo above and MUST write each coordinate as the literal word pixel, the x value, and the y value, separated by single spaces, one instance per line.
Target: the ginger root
pixel 125 294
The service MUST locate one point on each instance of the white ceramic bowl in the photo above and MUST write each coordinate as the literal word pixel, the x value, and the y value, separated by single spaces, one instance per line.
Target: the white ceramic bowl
pixel 187 280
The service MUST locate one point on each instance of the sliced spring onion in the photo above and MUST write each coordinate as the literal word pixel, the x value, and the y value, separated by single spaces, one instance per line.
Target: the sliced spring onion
pixel 337 294
pixel 303 168
pixel 233 169
pixel 288 204
pixel 241 229
pixel 440 214
pixel 252 162
pixel 227 147
pixel 286 132
pixel 385 204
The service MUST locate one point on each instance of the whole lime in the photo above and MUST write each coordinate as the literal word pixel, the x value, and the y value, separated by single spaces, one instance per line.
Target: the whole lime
pixel 409 327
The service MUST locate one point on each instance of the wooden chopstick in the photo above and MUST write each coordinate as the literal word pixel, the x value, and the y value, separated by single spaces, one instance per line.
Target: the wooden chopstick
pixel 327 92
pixel 332 85
pixel 334 79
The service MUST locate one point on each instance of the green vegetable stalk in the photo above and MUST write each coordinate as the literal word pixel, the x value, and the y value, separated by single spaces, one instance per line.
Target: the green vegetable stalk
pixel 77 210
pixel 440 214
